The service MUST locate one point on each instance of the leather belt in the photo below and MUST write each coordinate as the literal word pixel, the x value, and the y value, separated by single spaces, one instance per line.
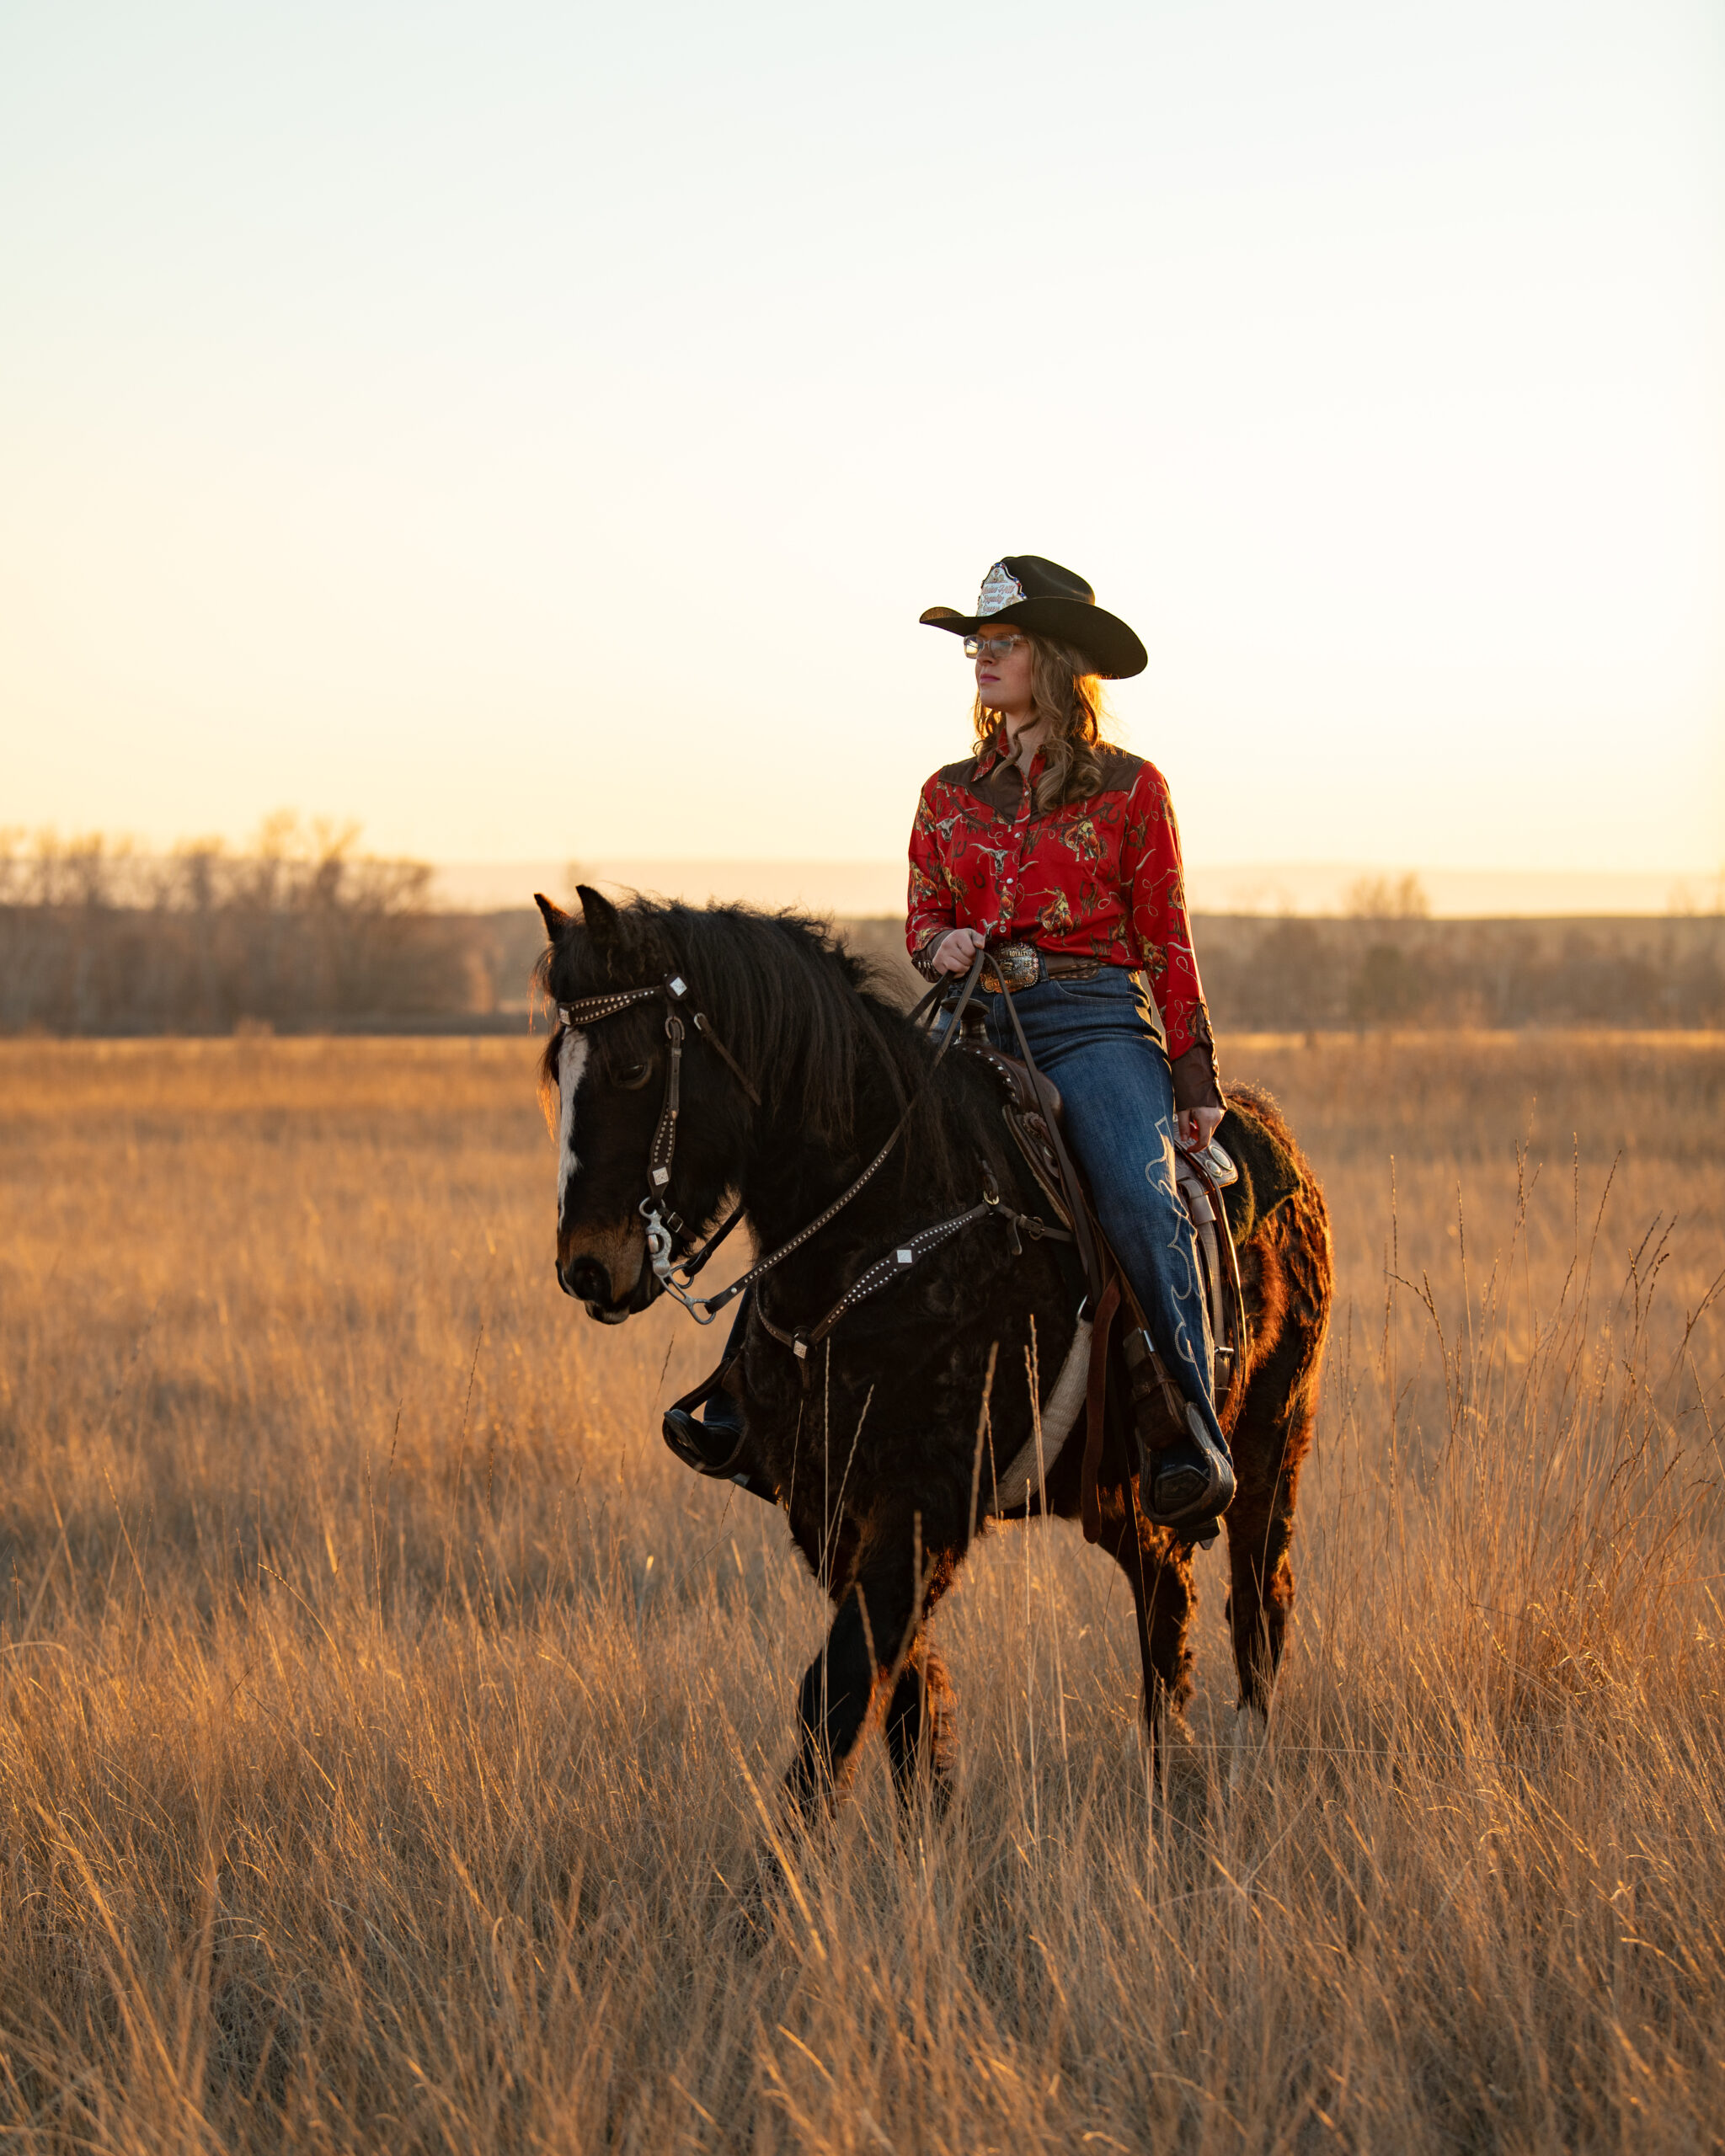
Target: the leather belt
pixel 1023 965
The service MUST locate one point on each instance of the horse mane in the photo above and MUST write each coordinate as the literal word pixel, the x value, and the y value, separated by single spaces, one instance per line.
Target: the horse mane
pixel 805 1016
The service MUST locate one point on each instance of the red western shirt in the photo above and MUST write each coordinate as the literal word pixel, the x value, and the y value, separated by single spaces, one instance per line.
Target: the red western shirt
pixel 1099 879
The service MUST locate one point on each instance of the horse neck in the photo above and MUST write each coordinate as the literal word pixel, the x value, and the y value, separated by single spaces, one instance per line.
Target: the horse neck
pixel 792 1175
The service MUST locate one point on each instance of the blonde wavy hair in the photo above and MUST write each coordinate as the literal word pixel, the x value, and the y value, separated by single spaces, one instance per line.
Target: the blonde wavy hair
pixel 1071 699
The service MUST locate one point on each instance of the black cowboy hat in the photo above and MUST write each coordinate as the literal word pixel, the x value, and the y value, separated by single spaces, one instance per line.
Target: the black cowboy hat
pixel 1049 601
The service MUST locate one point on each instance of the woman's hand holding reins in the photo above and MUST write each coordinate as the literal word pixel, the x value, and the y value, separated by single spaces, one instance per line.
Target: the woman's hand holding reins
pixel 954 952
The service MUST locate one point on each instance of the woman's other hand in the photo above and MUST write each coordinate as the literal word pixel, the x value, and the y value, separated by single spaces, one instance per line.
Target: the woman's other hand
pixel 955 950
pixel 1194 1127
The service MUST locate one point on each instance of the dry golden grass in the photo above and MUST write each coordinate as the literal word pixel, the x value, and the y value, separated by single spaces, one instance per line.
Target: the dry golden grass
pixel 385 1717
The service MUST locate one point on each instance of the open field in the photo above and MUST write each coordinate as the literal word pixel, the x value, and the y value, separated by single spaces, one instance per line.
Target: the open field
pixel 387 1724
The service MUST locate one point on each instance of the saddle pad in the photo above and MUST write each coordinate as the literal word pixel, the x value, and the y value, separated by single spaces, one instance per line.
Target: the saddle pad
pixel 1269 1174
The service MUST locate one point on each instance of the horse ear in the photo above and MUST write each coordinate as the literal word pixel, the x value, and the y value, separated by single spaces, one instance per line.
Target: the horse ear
pixel 602 918
pixel 556 920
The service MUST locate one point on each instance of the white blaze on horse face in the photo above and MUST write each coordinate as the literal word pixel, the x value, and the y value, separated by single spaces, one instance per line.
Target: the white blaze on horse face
pixel 571 1063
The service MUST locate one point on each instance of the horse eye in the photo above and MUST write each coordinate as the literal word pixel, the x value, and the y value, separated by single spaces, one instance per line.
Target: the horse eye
pixel 635 1076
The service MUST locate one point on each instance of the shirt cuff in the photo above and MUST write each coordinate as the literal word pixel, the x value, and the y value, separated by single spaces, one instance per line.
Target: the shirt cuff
pixel 923 957
pixel 1195 1082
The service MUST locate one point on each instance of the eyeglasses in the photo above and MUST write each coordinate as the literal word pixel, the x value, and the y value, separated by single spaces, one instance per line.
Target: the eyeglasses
pixel 992 647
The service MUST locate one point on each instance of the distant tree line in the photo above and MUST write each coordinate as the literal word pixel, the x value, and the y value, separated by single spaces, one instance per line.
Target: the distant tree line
pixel 1295 973
pixel 302 932
pixel 301 929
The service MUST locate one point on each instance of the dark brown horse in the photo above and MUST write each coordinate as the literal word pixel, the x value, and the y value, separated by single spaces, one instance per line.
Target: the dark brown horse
pixel 887 1443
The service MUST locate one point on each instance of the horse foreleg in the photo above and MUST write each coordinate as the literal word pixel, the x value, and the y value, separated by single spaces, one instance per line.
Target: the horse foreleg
pixel 874 1635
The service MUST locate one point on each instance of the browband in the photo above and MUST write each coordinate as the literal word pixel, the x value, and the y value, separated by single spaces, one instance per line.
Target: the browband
pixel 589 1010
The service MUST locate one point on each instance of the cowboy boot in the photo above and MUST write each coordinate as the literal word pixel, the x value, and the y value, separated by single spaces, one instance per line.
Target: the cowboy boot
pixel 1185 1478
pixel 712 1442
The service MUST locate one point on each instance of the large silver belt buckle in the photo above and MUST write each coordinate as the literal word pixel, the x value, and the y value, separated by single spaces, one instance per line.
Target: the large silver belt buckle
pixel 1017 965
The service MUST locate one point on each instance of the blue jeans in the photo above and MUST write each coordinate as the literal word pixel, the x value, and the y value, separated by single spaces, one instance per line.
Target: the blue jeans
pixel 1099 1043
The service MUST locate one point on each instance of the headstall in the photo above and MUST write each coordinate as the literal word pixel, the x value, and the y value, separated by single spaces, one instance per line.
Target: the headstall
pixel 665 1225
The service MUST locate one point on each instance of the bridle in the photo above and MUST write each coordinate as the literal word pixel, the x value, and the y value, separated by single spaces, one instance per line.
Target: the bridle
pixel 665 1227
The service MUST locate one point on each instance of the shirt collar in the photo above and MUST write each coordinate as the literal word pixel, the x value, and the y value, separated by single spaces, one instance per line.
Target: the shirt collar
pixel 998 752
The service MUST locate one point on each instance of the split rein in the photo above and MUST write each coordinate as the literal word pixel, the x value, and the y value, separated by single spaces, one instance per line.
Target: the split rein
pixel 665 1227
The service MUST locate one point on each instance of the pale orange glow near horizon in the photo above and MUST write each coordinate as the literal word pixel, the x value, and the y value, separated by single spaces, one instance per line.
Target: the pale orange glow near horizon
pixel 534 433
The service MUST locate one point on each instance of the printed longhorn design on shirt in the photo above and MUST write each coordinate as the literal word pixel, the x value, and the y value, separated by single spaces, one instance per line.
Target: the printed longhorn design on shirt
pixel 987 864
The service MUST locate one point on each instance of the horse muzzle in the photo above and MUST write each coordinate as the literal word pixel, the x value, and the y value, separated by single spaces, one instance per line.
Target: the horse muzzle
pixel 613 1279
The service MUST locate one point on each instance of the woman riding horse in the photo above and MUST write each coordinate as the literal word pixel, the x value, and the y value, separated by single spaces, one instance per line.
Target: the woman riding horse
pixel 1061 853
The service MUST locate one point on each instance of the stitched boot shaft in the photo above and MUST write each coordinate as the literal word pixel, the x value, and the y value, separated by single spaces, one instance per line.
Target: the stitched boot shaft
pixel 1158 1411
pixel 1182 1474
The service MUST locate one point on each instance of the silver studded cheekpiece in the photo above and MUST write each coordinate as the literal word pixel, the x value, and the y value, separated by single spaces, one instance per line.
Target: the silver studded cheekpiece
pixel 1000 588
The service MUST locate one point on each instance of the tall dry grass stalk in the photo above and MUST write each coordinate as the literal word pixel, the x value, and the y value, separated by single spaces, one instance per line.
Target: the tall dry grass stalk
pixel 388 1725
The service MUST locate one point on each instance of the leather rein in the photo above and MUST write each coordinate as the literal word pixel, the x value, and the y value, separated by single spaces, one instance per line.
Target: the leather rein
pixel 666 1228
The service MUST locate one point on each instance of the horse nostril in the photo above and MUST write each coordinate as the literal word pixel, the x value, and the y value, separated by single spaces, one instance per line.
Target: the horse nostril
pixel 586 1280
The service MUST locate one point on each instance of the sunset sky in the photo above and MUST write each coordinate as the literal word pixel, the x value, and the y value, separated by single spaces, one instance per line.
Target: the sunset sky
pixel 533 430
